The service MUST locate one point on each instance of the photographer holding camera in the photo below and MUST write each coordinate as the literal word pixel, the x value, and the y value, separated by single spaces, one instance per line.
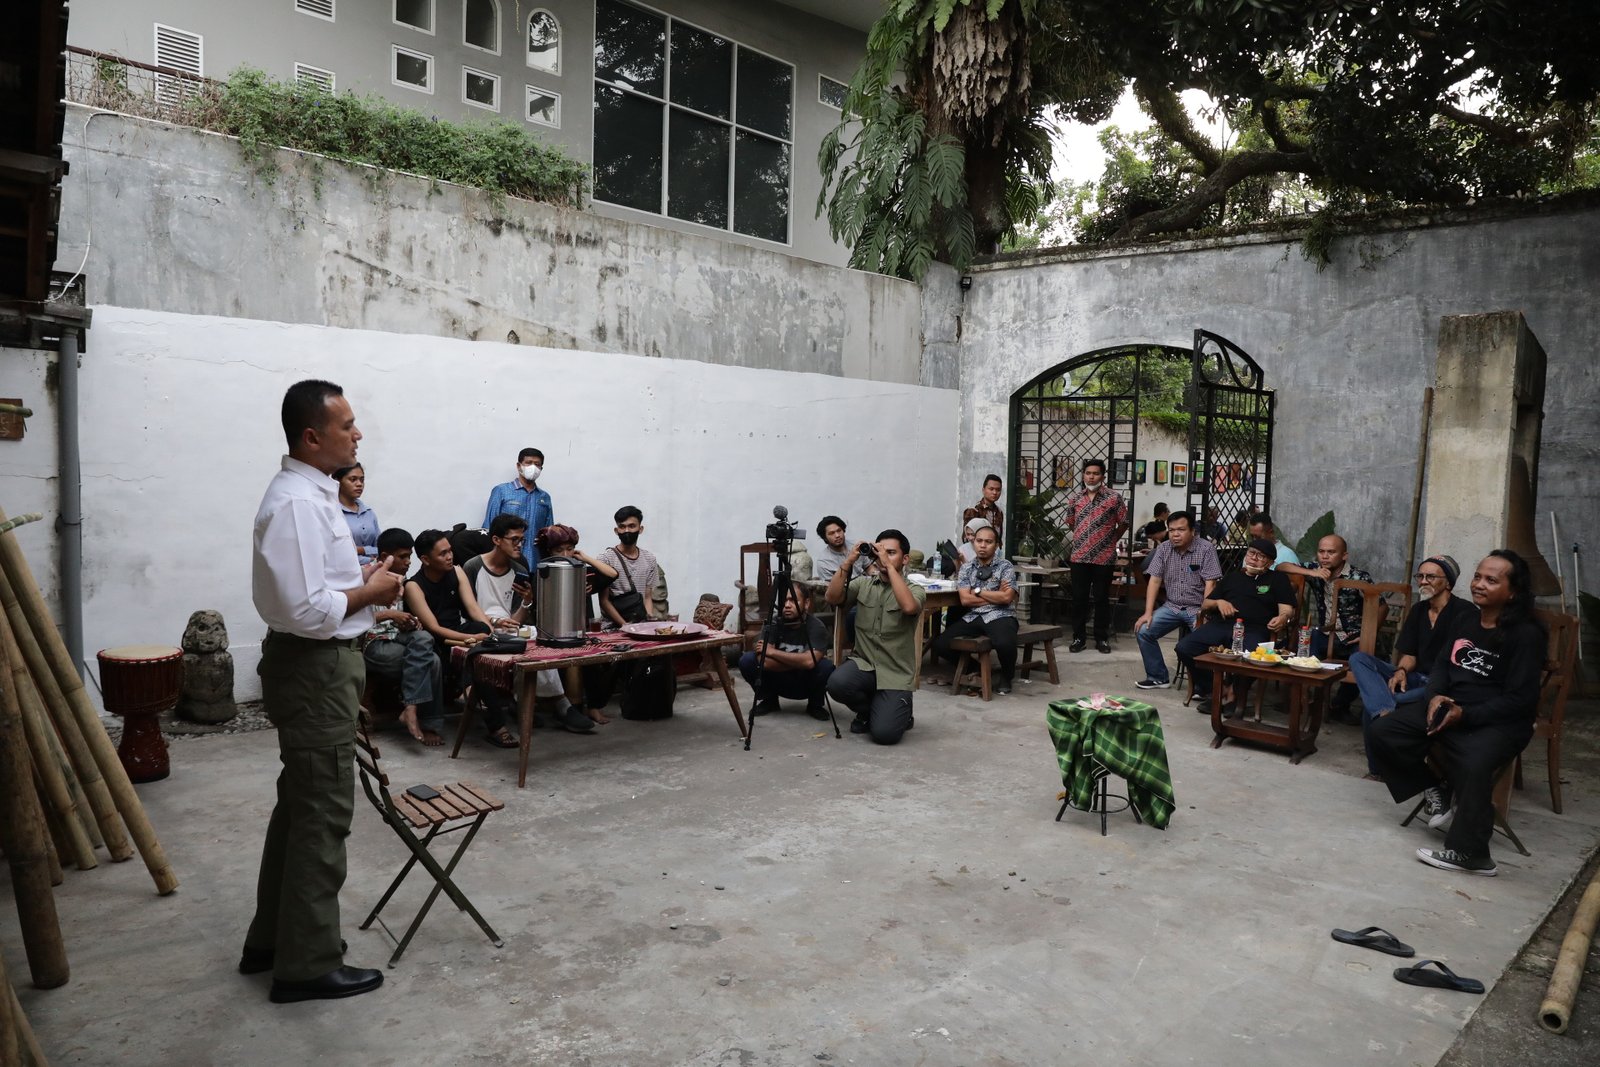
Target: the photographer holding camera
pixel 875 682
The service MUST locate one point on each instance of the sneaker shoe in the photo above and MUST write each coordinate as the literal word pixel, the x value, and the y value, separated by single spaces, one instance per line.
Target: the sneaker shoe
pixel 765 707
pixel 1077 645
pixel 1003 686
pixel 1449 859
pixel 1442 821
pixel 858 725
pixel 1103 646
pixel 1203 705
pixel 1151 683
pixel 1435 801
pixel 817 711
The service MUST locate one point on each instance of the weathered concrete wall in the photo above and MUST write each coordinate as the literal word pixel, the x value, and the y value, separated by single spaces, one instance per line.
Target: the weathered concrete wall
pixel 28 467
pixel 180 436
pixel 175 221
pixel 1349 351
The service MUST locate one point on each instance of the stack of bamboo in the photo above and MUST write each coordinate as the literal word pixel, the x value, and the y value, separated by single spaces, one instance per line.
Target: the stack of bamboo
pixel 63 791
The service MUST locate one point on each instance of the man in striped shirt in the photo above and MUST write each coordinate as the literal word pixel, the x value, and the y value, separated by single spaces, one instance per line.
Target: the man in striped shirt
pixel 1095 519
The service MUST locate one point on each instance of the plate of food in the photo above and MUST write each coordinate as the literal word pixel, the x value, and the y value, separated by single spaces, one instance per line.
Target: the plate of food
pixel 662 630
pixel 1304 663
pixel 1262 655
pixel 1224 651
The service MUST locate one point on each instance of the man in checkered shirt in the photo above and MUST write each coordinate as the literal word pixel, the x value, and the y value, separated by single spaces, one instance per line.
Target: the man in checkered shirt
pixel 1095 519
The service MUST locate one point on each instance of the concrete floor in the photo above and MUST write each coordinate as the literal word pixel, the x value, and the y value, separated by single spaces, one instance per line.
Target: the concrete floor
pixel 667 898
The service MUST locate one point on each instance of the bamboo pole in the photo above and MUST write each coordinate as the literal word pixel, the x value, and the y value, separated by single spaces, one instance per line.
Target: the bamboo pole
pixel 32 1054
pixel 95 789
pixel 53 839
pixel 16 569
pixel 22 835
pixel 74 841
pixel 11 1021
pixel 1556 1011
pixel 75 794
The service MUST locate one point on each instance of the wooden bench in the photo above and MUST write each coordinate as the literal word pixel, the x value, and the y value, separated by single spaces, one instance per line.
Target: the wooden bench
pixel 1029 637
pixel 974 657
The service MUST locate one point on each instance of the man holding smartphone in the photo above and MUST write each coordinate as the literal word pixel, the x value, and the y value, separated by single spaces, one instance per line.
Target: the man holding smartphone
pixel 875 682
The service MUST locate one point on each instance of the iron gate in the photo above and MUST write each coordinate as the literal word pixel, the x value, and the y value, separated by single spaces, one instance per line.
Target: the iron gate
pixel 1230 432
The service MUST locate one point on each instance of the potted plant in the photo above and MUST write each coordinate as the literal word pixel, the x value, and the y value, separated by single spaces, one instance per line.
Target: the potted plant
pixel 1038 531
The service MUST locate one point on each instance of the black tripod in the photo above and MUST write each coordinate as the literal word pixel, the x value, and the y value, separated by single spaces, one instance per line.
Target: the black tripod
pixel 782 534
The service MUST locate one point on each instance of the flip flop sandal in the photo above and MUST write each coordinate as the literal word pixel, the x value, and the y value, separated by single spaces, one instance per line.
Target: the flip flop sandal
pixel 502 739
pixel 1375 937
pixel 1443 978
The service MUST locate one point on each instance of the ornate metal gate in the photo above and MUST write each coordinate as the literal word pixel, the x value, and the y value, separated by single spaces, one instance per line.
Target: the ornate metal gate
pixel 1230 431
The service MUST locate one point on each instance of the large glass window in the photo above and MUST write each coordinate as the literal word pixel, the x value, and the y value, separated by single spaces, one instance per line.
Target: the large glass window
pixel 690 124
pixel 480 25
pixel 544 42
pixel 418 14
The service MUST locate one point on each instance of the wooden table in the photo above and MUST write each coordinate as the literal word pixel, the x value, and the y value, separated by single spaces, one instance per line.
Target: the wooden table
pixel 627 649
pixel 1308 697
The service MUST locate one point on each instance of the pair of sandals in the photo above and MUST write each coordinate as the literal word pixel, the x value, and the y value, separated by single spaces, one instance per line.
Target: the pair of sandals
pixel 1430 974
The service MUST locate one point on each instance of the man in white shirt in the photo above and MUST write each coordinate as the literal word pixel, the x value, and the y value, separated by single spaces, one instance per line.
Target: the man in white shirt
pixel 316 601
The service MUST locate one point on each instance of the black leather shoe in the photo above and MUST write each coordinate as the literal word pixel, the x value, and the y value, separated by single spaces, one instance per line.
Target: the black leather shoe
pixel 344 982
pixel 258 960
pixel 1077 645
pixel 818 712
pixel 1102 646
pixel 858 725
pixel 765 707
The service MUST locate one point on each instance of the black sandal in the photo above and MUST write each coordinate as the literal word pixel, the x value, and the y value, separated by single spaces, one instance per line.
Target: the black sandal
pixel 1442 978
pixel 502 738
pixel 1375 937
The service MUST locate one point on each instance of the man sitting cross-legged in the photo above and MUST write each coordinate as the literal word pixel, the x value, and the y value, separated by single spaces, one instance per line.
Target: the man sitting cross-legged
pixel 398 648
pixel 1259 596
pixel 1186 568
pixel 792 664
pixel 499 580
pixel 1483 697
pixel 987 586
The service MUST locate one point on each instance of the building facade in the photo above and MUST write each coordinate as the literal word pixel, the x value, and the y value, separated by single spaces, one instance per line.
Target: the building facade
pixel 701 115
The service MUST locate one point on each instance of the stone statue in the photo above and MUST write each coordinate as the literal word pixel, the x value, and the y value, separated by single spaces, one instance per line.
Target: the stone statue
pixel 207 670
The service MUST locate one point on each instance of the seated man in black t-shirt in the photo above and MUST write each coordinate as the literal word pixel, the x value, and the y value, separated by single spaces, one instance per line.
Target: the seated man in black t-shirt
pixel 1483 694
pixel 1260 596
pixel 795 667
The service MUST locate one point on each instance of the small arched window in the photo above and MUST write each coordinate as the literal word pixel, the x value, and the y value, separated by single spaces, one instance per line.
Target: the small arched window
pixel 480 25
pixel 544 42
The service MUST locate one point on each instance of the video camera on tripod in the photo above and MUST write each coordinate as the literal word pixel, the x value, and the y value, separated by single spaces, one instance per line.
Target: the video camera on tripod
pixel 781 531
pixel 782 534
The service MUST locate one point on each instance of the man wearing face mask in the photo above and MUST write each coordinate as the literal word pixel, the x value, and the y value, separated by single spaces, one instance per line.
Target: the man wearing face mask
pixel 1261 597
pixel 523 498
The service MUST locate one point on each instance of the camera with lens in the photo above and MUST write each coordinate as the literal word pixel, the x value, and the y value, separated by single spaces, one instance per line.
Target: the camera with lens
pixel 782 529
pixel 869 550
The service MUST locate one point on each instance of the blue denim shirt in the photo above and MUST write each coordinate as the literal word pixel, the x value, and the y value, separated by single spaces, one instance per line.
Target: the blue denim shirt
pixel 363 529
pixel 532 505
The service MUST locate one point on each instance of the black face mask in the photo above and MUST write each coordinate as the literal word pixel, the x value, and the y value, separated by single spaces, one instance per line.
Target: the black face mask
pixel 629 539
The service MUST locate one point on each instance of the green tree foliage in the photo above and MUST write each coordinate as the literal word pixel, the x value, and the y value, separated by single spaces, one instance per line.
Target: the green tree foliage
pixel 497 156
pixel 1335 103
pixel 945 144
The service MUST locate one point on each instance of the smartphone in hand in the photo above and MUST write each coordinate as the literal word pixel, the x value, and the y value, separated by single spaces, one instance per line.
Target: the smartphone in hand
pixel 1436 719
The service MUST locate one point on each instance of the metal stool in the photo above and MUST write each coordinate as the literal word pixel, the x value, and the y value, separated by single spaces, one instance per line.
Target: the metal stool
pixel 1099 802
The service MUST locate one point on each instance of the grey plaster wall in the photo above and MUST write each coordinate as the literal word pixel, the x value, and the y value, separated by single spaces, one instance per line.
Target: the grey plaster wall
pixel 1348 349
pixel 357 47
pixel 174 221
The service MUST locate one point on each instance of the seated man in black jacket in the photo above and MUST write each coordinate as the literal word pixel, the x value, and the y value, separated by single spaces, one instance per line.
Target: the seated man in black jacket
pixel 1483 693
pixel 1255 593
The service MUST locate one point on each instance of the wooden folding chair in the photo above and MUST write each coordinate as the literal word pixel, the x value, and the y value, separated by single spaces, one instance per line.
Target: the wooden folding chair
pixel 1383 606
pixel 457 807
pixel 753 615
pixel 1560 662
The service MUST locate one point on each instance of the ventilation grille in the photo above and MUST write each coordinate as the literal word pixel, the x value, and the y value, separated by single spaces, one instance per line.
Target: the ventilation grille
pixel 316 77
pixel 323 9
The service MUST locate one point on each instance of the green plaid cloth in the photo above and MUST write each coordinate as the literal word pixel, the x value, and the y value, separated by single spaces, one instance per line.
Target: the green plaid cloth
pixel 1128 741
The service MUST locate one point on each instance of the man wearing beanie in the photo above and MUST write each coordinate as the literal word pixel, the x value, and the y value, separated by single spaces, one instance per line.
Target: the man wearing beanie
pixel 1384 685
pixel 1255 593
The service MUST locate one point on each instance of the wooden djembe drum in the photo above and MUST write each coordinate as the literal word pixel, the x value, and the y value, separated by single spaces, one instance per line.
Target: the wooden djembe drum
pixel 139 682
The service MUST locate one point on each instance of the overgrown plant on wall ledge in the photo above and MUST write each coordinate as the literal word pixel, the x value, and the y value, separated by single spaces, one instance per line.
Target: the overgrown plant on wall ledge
pixel 498 157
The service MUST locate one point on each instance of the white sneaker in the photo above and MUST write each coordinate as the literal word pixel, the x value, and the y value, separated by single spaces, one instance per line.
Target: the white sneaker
pixel 1442 821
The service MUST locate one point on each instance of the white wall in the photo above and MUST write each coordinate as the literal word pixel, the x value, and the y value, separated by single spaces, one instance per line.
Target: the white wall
pixel 181 434
pixel 28 467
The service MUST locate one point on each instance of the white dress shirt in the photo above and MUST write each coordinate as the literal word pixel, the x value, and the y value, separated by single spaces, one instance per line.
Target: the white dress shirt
pixel 305 558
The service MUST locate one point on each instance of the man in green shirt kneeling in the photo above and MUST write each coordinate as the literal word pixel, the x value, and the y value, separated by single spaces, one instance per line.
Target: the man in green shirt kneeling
pixel 875 682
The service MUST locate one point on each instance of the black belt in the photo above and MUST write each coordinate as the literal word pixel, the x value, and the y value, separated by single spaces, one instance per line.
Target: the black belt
pixel 341 642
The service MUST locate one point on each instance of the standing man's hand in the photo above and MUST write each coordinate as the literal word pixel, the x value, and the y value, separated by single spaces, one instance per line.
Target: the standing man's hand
pixel 381 584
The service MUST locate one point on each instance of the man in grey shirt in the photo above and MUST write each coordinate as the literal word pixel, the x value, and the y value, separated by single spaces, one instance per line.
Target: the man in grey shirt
pixel 832 553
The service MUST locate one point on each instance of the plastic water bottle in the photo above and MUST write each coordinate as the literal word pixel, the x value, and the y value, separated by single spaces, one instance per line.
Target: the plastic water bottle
pixel 1238 636
pixel 1304 646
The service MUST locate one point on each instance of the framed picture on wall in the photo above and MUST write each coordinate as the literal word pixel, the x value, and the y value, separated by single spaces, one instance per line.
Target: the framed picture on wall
pixel 1235 475
pixel 1200 471
pixel 1061 474
pixel 1180 474
pixel 1161 472
pixel 1026 468
pixel 1119 471
pixel 1138 472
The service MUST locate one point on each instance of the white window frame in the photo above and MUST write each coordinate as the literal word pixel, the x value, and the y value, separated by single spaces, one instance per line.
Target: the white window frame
pixel 199 47
pixel 331 16
pixel 733 122
pixel 499 32
pixel 561 42
pixel 395 51
pixel 493 78
pixel 307 68
pixel 821 78
pixel 433 17
pixel 527 98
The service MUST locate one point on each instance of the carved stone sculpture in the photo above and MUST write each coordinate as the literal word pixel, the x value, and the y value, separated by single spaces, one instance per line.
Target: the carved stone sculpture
pixel 207 670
